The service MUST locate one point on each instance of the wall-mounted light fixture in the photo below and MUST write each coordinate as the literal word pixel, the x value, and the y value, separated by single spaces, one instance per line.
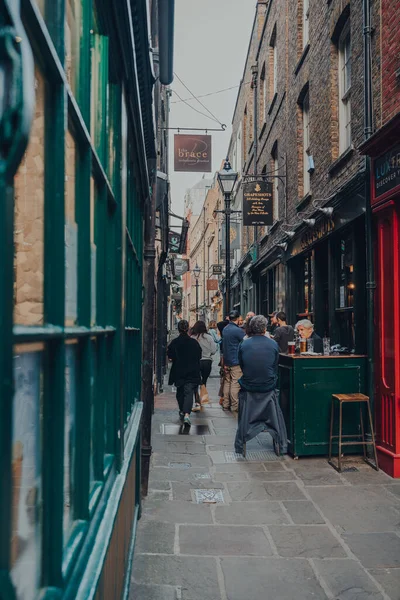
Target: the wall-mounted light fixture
pixel 326 210
pixel 311 166
pixel 309 222
pixel 283 246
pixel 290 234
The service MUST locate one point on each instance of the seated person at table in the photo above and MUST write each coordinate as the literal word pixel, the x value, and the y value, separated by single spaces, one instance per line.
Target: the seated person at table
pixel 284 333
pixel 306 331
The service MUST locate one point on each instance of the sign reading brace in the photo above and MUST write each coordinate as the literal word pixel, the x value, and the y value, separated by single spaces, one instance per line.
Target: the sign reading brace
pixel 258 203
pixel 192 153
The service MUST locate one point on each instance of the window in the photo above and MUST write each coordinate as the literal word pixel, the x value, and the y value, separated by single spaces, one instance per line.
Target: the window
pixel 275 180
pixel 273 67
pixel 306 22
pixel 306 142
pixel 244 133
pixel 263 96
pixel 73 25
pixel 344 52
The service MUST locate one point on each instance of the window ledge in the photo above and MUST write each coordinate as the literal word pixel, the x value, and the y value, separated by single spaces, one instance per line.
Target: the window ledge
pixel 302 58
pixel 304 201
pixel 273 102
pixel 262 130
pixel 343 158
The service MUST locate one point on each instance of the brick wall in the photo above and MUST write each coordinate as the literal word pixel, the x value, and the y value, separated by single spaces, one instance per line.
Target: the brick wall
pixel 390 48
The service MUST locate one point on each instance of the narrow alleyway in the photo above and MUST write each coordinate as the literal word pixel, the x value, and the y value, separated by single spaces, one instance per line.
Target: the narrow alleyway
pixel 269 528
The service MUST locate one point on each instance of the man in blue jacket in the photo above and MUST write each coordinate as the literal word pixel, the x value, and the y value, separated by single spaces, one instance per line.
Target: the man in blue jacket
pixel 231 340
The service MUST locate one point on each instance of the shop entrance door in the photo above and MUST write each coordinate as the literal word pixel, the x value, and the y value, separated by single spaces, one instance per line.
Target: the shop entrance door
pixel 387 328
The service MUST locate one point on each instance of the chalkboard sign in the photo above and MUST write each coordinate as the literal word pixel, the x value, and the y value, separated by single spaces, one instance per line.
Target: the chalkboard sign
pixel 258 203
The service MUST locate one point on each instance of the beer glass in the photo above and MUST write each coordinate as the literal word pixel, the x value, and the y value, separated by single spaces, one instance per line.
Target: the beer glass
pixel 310 345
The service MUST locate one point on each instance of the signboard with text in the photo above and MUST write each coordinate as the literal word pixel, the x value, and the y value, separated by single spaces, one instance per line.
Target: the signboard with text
pixel 212 284
pixel 257 203
pixel 387 172
pixel 192 153
pixel 217 269
pixel 174 240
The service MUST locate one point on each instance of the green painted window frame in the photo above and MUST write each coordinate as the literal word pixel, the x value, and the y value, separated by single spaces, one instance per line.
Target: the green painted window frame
pixel 103 402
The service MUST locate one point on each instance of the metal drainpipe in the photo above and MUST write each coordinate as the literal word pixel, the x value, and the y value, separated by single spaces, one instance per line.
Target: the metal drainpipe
pixel 254 83
pixel 370 283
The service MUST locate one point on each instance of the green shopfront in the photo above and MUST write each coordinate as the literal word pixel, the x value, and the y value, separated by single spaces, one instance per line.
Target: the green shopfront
pixel 71 287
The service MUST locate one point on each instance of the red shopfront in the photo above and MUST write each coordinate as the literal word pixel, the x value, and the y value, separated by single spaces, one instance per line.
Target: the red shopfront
pixel 384 149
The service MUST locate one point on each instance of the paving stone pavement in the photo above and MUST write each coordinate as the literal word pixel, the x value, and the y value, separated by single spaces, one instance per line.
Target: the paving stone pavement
pixel 285 529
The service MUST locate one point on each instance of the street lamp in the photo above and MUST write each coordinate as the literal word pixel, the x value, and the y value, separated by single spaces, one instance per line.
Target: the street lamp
pixel 227 179
pixel 196 273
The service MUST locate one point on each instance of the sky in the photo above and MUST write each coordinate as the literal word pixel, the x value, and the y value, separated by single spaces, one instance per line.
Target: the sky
pixel 211 42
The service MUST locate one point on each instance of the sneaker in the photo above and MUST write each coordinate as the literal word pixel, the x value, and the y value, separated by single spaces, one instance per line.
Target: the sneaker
pixel 186 421
pixel 196 407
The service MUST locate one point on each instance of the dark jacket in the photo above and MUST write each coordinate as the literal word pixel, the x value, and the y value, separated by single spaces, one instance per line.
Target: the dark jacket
pixel 258 357
pixel 231 338
pixel 318 345
pixel 185 353
pixel 283 335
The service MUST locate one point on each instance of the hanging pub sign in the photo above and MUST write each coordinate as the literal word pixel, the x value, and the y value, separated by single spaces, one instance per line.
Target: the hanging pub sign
pixel 180 266
pixel 387 172
pixel 257 203
pixel 212 284
pixel 174 240
pixel 192 153
pixel 217 269
pixel 234 230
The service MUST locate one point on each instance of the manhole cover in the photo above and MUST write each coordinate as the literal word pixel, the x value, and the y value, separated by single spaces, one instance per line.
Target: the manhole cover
pixel 202 475
pixel 209 496
pixel 180 430
pixel 173 465
pixel 252 455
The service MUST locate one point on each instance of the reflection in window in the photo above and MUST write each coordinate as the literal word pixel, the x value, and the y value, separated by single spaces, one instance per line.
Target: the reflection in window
pixel 73 34
pixel 69 439
pixel 347 283
pixel 29 221
pixel 26 474
pixel 71 234
pixel 345 89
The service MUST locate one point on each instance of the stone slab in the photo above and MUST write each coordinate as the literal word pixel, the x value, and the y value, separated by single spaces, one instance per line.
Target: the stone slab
pixel 319 477
pixel 176 511
pixel 394 489
pixel 251 513
pixel 358 509
pixel 217 457
pixel 188 448
pixel 269 579
pixel 389 579
pixel 159 486
pixel 153 592
pixel 375 550
pixel 196 576
pixel 239 468
pixel 181 438
pixel 303 512
pixel 159 474
pixel 241 492
pixel 367 477
pixel 347 580
pixel 241 476
pixel 304 541
pixel 283 491
pixel 195 460
pixel 183 491
pixel 155 537
pixel 223 541
pixel 272 476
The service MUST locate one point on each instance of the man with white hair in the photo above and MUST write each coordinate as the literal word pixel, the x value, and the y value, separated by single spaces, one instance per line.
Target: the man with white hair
pixel 306 331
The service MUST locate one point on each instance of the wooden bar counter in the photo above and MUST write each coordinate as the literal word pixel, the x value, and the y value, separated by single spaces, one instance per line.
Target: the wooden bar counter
pixel 306 386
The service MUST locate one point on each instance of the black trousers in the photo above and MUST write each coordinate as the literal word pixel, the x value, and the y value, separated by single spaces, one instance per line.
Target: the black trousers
pixel 184 396
pixel 205 370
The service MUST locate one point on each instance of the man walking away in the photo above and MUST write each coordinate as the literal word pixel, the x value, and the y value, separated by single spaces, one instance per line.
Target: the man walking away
pixel 259 408
pixel 284 333
pixel 185 354
pixel 231 339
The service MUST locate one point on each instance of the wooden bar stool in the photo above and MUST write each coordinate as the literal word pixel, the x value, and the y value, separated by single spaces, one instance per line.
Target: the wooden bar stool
pixel 344 399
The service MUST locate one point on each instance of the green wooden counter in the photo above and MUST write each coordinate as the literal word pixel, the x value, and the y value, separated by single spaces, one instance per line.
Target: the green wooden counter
pixel 306 386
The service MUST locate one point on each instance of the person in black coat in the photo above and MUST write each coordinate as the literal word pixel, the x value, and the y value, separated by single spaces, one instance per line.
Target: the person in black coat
pixel 185 354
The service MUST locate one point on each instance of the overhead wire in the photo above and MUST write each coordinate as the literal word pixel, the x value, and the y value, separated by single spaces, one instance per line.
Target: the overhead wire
pixel 195 109
pixel 233 87
pixel 197 100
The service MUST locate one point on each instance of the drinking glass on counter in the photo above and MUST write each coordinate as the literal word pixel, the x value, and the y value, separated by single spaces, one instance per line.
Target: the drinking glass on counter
pixel 310 345
pixel 326 343
pixel 291 347
pixel 303 345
